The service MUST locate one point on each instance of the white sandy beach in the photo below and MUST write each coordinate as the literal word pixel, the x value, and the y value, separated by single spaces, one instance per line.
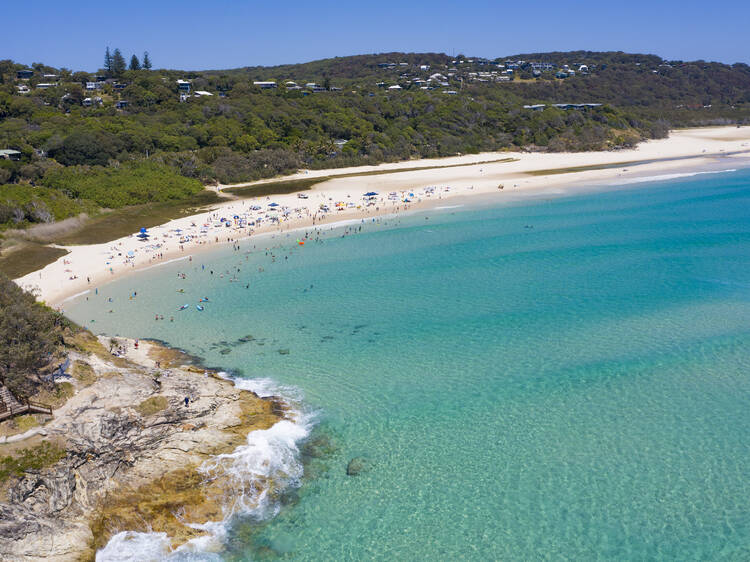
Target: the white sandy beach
pixel 90 266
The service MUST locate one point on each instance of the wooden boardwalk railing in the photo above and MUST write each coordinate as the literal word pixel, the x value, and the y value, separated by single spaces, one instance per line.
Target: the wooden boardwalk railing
pixel 16 407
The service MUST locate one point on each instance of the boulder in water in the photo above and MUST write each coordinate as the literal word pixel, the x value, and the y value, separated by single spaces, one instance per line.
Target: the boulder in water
pixel 358 465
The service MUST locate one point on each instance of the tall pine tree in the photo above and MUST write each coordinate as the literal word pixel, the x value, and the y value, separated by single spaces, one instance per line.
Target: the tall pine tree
pixel 118 63
pixel 107 63
pixel 134 63
pixel 146 61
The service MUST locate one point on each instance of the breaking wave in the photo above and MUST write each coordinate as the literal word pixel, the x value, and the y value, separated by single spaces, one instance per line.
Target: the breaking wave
pixel 665 177
pixel 254 476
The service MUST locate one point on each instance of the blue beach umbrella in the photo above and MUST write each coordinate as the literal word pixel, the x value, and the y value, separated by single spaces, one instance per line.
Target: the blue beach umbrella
pixel 273 204
pixel 143 230
pixel 370 194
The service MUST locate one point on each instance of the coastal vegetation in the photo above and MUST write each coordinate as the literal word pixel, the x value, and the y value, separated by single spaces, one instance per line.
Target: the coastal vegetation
pixel 32 336
pixel 32 458
pixel 85 143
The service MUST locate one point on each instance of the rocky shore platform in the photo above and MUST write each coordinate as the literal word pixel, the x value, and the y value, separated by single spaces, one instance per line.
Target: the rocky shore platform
pixel 121 451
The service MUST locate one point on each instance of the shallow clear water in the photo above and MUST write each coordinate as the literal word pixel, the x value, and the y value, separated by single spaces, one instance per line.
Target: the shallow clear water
pixel 575 390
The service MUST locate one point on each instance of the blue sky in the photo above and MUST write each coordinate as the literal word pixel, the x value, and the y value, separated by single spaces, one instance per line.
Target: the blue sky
pixel 192 34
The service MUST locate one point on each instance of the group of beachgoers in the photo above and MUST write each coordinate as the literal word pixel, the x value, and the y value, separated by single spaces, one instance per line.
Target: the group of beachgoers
pixel 284 248
pixel 232 223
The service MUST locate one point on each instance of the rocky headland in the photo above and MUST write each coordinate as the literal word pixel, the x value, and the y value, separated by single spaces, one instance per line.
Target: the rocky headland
pixel 123 450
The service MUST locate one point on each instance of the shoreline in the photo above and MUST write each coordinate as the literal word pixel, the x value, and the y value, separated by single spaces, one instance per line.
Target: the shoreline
pixel 529 175
pixel 133 451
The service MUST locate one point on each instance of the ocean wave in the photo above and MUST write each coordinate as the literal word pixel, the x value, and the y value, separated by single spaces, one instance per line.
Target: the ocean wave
pixel 70 298
pixel 665 177
pixel 254 477
pixel 164 263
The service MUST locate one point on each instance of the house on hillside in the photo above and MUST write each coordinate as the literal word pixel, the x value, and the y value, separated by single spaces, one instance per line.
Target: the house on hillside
pixel 542 66
pixel 184 86
pixel 202 93
pixel 265 85
pixel 45 85
pixel 24 74
pixel 122 104
pixel 578 106
pixel 23 89
pixel 395 87
pixel 98 85
pixel 9 154
pixel 92 102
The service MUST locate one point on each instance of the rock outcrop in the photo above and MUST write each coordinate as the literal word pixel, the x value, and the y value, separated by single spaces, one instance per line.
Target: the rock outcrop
pixel 357 466
pixel 124 429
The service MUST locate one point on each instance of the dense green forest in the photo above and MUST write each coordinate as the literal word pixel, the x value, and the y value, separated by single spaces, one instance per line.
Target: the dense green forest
pixel 127 136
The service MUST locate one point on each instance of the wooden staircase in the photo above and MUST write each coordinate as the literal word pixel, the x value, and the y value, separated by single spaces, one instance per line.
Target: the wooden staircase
pixel 10 406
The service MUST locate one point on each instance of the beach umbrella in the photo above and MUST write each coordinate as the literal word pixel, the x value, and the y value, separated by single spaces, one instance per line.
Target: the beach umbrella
pixel 143 230
pixel 131 253
pixel 143 235
pixel 370 194
pixel 273 204
pixel 178 230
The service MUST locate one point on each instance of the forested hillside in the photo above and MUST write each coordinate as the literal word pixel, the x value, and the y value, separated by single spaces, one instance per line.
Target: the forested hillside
pixel 32 335
pixel 120 137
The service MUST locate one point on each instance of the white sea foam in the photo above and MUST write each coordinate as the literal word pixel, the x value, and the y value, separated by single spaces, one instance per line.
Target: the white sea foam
pixel 665 177
pixel 70 298
pixel 129 545
pixel 254 476
pixel 164 263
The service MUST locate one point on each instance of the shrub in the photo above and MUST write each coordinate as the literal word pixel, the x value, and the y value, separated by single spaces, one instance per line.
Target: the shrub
pixel 131 183
pixel 30 334
pixel 35 458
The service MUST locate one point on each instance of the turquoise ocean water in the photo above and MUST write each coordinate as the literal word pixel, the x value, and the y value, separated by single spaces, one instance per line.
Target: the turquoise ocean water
pixel 564 378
